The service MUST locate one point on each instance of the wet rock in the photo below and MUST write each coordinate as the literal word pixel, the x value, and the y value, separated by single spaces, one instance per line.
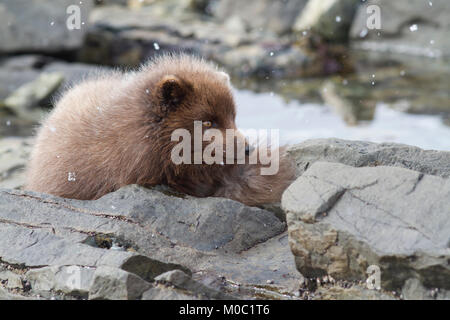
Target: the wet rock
pixel 120 36
pixel 351 108
pixel 115 284
pixel 418 28
pixel 182 281
pixel 331 19
pixel 353 218
pixel 40 26
pixel 14 154
pixel 363 154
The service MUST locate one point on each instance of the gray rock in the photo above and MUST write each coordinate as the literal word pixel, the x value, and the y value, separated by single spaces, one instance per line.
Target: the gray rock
pixel 24 62
pixel 202 223
pixel 351 110
pixel 368 154
pixel 182 281
pixel 10 280
pixel 73 72
pixel 11 79
pixel 331 19
pixel 120 36
pixel 22 101
pixel 14 153
pixel 167 293
pixel 30 247
pixel 341 220
pixel 40 26
pixel 73 280
pixel 356 292
pixel 73 232
pixel 31 81
pixel 5 295
pixel 398 35
pixel 116 284
pixel 274 16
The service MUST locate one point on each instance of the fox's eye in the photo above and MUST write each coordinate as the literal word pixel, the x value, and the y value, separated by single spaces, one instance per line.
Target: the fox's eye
pixel 207 124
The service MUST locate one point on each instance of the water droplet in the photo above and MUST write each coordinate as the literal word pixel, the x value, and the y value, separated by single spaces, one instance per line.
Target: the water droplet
pixel 156 45
pixel 338 19
pixel 413 28
pixel 71 176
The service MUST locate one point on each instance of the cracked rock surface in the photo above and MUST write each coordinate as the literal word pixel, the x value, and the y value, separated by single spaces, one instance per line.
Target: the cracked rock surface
pixel 83 249
pixel 342 219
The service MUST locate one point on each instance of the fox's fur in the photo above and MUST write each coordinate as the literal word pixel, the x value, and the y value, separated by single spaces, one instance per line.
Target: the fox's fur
pixel 115 129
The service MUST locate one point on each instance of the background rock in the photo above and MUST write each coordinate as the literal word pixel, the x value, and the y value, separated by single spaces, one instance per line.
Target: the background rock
pixel 39 26
pixel 398 35
pixel 331 19
pixel 276 16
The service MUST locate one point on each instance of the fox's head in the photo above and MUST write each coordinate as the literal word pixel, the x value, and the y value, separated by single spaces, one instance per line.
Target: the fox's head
pixel 190 98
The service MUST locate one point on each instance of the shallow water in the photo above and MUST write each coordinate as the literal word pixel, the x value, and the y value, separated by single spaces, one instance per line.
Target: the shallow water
pixel 300 121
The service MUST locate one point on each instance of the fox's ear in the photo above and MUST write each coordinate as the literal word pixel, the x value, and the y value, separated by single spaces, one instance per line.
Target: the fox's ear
pixel 172 90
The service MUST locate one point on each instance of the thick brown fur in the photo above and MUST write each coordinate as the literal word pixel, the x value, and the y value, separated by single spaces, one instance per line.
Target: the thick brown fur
pixel 115 130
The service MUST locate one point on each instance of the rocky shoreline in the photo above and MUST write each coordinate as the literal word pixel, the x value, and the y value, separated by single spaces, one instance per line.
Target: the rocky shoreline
pixel 354 204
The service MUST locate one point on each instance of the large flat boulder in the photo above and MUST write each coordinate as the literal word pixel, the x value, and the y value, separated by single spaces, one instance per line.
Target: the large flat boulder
pixel 369 154
pixel 342 219
pixel 143 233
